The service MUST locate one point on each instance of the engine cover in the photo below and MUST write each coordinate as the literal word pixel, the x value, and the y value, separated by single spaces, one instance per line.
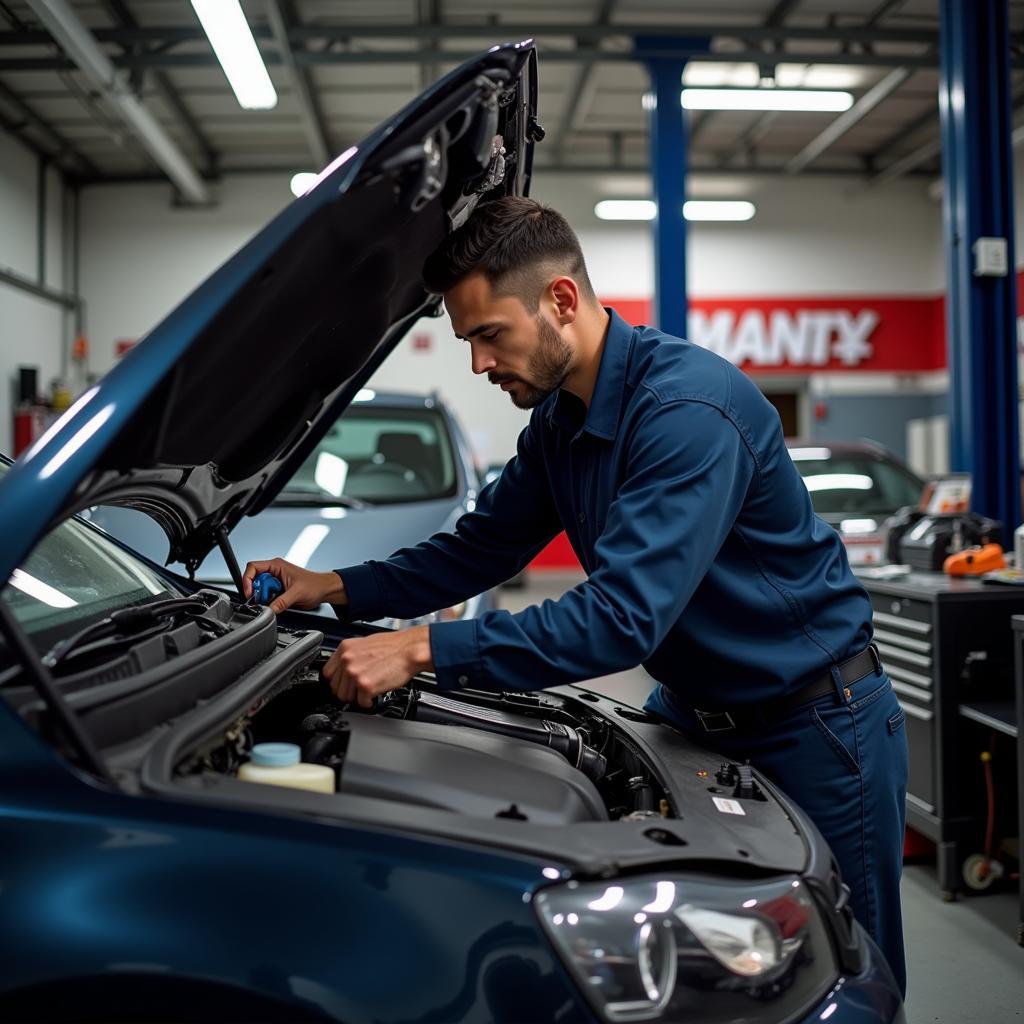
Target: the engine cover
pixel 465 771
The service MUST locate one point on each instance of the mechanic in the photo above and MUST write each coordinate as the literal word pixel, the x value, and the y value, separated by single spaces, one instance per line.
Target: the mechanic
pixel 705 563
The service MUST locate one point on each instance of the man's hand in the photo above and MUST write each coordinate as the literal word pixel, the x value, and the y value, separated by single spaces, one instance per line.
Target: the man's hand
pixel 302 587
pixel 364 667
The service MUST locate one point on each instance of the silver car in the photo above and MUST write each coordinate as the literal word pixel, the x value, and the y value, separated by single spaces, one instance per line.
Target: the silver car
pixel 393 470
pixel 855 487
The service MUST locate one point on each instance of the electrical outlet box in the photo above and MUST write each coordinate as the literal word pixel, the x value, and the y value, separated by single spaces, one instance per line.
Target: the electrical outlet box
pixel 990 257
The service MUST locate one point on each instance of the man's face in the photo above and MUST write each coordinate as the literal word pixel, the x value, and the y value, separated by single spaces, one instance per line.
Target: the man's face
pixel 520 351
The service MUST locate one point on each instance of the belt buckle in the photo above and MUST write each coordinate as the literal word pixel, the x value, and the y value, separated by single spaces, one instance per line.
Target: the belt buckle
pixel 706 718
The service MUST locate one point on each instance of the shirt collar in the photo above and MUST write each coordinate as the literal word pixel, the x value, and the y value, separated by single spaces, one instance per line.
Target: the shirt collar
pixel 602 419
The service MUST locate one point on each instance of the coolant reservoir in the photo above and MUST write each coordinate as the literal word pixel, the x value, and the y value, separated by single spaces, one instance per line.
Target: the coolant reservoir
pixel 280 764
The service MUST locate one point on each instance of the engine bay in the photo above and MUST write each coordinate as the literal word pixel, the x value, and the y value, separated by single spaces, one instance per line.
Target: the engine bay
pixel 542 758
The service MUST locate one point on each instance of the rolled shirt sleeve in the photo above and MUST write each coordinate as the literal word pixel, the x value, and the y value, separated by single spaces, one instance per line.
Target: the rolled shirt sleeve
pixel 688 473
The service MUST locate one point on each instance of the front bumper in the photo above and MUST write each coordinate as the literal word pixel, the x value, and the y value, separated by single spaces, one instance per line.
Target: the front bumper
pixel 870 997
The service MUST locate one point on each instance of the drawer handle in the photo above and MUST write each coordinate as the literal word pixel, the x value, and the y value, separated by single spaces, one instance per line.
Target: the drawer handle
pixel 910 625
pixel 924 646
pixel 914 678
pixel 911 691
pixel 915 712
pixel 894 652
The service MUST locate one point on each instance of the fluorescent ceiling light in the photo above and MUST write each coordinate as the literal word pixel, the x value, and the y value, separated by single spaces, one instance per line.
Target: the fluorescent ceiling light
pixel 718 209
pixel 712 74
pixel 231 38
pixel 693 209
pixel 788 75
pixel 626 209
pixel 302 182
pixel 766 99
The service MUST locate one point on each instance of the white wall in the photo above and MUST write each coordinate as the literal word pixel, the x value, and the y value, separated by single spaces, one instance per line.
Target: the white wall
pixel 809 236
pixel 32 330
pixel 140 256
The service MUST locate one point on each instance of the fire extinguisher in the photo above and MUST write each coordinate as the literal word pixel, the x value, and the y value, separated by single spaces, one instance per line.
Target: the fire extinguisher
pixel 30 412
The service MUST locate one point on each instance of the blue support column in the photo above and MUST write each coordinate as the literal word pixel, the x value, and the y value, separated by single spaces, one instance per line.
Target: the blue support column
pixel 977 162
pixel 668 175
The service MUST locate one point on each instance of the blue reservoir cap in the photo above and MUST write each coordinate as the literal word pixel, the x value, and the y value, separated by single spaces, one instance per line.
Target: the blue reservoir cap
pixel 276 755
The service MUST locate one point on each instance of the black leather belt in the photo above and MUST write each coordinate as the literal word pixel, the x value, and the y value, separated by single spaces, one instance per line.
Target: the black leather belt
pixel 860 665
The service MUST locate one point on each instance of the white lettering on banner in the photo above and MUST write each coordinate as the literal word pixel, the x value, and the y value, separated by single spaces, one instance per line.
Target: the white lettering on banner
pixel 808 337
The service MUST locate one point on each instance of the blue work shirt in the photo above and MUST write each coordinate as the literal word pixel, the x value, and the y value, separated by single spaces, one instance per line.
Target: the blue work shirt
pixel 705 561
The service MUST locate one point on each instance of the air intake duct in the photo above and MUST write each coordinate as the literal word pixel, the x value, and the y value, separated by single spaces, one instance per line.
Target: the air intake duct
pixel 431 707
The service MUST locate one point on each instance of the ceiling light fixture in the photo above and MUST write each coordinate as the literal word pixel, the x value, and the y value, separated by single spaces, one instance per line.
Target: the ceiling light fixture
pixel 767 99
pixel 693 209
pixel 626 209
pixel 718 209
pixel 232 41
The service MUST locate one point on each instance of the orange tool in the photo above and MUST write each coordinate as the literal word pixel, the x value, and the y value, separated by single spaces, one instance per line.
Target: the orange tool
pixel 975 561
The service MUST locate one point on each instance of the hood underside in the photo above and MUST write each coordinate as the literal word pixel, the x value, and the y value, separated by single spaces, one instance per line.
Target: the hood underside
pixel 209 416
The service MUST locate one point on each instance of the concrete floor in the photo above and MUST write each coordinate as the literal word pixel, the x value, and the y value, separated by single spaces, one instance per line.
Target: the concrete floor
pixel 963 961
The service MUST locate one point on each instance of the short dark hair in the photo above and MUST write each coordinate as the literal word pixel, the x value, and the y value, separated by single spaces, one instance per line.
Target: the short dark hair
pixel 516 243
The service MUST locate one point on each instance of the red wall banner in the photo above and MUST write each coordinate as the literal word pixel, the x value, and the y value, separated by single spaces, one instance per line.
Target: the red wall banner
pixel 814 335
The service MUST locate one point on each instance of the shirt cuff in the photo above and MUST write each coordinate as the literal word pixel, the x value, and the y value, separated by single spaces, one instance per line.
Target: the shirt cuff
pixel 363 590
pixel 455 649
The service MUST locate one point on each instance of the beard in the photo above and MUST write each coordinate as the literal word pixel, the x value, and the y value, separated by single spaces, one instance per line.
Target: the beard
pixel 548 367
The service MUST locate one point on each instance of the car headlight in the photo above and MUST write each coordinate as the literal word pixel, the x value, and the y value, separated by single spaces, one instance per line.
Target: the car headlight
pixel 689 949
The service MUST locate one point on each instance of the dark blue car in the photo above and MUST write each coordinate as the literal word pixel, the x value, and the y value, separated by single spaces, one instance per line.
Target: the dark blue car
pixel 487 856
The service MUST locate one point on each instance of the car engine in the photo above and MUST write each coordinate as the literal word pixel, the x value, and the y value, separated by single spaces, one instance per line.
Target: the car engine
pixel 538 758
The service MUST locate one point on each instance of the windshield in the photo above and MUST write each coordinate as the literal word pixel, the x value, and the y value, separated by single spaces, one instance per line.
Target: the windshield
pixel 378 455
pixel 856 483
pixel 75 575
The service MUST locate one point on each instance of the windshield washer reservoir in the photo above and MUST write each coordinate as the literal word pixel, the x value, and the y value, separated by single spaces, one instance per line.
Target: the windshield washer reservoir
pixel 280 764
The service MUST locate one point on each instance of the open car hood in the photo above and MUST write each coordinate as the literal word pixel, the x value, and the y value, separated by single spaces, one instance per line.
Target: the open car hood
pixel 207 418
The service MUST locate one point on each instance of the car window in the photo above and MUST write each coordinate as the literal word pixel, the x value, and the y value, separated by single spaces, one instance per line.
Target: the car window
pixel 379 455
pixel 858 484
pixel 75 575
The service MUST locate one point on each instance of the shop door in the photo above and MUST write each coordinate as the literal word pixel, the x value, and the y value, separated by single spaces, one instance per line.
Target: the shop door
pixel 787 405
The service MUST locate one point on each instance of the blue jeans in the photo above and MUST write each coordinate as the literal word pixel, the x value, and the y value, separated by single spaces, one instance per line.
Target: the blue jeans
pixel 845 764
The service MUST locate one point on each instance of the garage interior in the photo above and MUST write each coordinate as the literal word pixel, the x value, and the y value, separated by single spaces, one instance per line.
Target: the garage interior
pixel 858 255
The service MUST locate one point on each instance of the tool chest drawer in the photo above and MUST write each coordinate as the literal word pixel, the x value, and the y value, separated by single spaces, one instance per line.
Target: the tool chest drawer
pixel 942 641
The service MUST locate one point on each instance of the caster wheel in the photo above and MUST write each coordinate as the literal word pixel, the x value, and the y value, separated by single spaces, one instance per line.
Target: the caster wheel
pixel 980 872
pixel 948 896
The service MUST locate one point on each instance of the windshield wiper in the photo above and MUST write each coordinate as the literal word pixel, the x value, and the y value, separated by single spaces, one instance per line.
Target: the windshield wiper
pixel 124 624
pixel 315 499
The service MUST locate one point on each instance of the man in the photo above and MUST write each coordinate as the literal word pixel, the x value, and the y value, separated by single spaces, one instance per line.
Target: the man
pixel 704 559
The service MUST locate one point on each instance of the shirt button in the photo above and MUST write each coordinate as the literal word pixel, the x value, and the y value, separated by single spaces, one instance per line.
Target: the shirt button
pixel 581 518
pixel 463 680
